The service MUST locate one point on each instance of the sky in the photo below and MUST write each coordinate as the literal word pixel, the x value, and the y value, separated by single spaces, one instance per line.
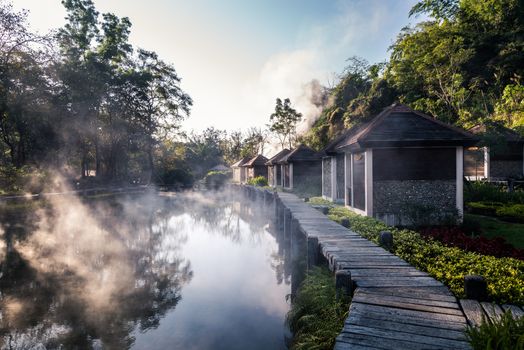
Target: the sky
pixel 235 57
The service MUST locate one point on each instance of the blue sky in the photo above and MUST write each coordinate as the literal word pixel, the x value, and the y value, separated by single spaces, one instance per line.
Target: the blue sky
pixel 236 57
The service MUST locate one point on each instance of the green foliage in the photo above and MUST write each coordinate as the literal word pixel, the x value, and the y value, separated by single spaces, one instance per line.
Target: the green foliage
pixel 258 181
pixel 316 316
pixel 319 201
pixel 505 276
pixel 485 192
pixel 484 207
pixel 513 212
pixel 507 333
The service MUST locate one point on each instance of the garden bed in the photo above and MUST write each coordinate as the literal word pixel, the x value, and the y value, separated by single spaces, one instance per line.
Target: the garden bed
pixel 505 276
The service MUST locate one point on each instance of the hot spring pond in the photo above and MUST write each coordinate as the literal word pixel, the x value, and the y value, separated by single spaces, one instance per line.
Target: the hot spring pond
pixel 192 271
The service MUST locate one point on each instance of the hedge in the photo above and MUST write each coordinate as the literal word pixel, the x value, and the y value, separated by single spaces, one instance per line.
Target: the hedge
pixel 505 276
pixel 260 181
pixel 508 212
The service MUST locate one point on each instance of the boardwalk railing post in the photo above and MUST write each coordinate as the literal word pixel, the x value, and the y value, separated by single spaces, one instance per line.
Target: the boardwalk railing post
pixel 386 240
pixel 476 287
pixel 343 283
pixel 312 252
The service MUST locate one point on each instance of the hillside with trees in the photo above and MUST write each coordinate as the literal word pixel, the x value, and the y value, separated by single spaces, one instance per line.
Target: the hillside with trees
pixel 464 65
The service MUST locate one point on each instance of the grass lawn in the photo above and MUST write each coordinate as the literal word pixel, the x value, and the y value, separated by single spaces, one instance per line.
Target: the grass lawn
pixel 491 227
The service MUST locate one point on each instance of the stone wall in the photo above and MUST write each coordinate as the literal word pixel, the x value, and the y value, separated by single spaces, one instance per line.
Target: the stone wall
pixel 326 182
pixel 503 169
pixel 307 178
pixel 422 202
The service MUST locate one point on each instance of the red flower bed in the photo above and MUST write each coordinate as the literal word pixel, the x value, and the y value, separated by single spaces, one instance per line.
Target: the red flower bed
pixel 455 237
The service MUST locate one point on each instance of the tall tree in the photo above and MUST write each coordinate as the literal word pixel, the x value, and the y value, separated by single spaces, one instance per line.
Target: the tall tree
pixel 283 122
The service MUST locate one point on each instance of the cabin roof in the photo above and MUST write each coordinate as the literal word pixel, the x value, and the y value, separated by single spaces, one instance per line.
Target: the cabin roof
pixel 301 153
pixel 401 126
pixel 241 162
pixel 257 160
pixel 497 129
pixel 274 160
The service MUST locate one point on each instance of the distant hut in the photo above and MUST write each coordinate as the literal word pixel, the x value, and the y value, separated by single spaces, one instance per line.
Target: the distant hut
pixel 256 167
pixel 274 169
pixel 302 170
pixel 401 164
pixel 239 171
pixel 503 159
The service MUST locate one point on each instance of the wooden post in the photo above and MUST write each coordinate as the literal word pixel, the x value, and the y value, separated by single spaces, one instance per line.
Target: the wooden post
pixel 343 283
pixel 476 287
pixel 312 252
pixel 386 240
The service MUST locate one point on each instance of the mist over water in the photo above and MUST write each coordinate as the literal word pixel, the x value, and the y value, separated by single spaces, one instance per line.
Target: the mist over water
pixel 142 271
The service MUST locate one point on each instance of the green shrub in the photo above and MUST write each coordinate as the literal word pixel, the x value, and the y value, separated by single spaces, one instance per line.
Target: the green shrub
pixel 478 191
pixel 513 212
pixel 258 181
pixel 505 276
pixel 316 316
pixel 320 201
pixel 484 207
pixel 504 334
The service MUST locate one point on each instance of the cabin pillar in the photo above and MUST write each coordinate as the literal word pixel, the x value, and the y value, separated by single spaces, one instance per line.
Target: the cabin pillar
pixel 291 175
pixel 368 165
pixel 486 163
pixel 347 179
pixel 460 181
pixel 333 179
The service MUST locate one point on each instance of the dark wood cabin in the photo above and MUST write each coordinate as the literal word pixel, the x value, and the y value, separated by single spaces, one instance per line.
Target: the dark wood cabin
pixel 239 172
pixel 302 171
pixel 256 167
pixel 399 167
pixel 501 157
pixel 274 170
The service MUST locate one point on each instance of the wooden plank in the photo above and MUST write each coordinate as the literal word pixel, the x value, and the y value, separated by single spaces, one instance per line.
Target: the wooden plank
pixel 397 282
pixel 355 340
pixel 398 313
pixel 493 311
pixel 402 304
pixel 408 320
pixel 359 319
pixel 473 311
pixel 431 293
pixel 413 300
pixel 515 310
pixel 423 341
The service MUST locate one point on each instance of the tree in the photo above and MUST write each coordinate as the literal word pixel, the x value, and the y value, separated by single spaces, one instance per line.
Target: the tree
pixel 283 122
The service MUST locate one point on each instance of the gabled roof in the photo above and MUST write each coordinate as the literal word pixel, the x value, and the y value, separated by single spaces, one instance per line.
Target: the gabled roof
pixel 241 162
pixel 401 126
pixel 301 153
pixel 274 160
pixel 497 129
pixel 257 160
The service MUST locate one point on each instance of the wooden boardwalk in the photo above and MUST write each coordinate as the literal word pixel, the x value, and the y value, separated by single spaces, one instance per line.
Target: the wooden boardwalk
pixel 394 305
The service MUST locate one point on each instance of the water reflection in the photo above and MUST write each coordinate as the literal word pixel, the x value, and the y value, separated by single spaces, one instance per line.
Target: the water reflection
pixel 192 271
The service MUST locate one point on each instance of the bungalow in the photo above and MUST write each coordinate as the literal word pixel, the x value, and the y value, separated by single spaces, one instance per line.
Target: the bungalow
pixel 302 170
pixel 502 160
pixel 274 170
pixel 255 167
pixel 239 172
pixel 401 167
